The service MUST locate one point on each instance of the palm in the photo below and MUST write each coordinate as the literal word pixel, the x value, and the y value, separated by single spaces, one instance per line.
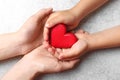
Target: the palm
pixel 48 62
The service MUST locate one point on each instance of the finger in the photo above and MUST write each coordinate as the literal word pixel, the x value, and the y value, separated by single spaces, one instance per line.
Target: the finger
pixel 50 23
pixel 58 50
pixel 42 13
pixel 46 44
pixel 69 64
pixel 50 50
pixel 70 58
pixel 53 49
pixel 46 34
pixel 79 34
pixel 75 51
pixel 53 21
pixel 56 55
pixel 81 31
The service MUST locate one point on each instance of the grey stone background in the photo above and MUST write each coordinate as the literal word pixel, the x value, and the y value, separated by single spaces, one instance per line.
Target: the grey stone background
pixel 97 65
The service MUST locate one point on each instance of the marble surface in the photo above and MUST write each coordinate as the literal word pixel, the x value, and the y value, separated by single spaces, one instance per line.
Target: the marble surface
pixel 97 65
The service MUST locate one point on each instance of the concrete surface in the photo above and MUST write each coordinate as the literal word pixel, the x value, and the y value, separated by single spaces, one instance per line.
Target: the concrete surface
pixel 98 65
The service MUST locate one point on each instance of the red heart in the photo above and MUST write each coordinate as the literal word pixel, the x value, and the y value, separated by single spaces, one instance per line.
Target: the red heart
pixel 60 39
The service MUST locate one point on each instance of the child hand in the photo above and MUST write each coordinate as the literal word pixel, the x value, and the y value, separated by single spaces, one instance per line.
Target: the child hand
pixel 77 50
pixel 66 17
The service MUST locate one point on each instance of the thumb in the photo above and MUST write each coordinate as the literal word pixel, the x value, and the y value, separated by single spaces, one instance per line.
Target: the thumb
pixel 49 24
pixel 42 13
pixel 75 51
pixel 53 21
pixel 69 64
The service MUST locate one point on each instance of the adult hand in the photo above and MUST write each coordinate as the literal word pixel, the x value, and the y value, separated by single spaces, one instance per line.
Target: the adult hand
pixel 37 61
pixel 32 30
pixel 26 39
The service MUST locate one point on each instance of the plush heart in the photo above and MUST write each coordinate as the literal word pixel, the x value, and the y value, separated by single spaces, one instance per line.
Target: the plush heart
pixel 60 39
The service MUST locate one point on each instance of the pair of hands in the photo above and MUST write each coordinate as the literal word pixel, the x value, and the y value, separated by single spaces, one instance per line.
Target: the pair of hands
pixel 31 35
pixel 69 18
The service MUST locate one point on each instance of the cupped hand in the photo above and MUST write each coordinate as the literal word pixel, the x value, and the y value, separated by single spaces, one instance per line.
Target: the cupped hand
pixel 45 62
pixel 39 61
pixel 77 50
pixel 66 17
pixel 31 32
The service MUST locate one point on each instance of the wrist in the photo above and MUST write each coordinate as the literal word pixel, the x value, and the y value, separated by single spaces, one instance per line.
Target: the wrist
pixel 78 12
pixel 83 8
pixel 31 61
pixel 23 70
pixel 19 43
pixel 94 42
pixel 91 42
pixel 11 45
pixel 75 13
pixel 23 43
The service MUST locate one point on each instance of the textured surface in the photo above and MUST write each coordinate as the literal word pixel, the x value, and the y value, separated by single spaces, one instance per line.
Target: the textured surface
pixel 98 65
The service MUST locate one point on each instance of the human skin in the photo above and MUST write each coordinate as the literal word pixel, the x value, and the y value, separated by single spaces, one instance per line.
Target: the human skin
pixel 39 61
pixel 108 38
pixel 71 17
pixel 27 38
pixel 43 61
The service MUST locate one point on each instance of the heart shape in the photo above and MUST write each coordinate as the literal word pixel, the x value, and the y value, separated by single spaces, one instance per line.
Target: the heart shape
pixel 59 38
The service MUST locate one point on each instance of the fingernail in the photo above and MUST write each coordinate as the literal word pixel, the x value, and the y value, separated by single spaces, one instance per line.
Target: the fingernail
pixel 47 25
pixel 61 57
